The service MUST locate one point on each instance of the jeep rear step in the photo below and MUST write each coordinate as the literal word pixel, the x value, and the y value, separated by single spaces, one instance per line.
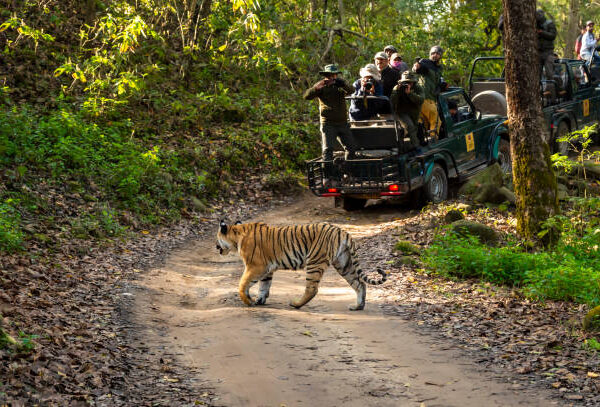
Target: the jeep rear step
pixel 369 176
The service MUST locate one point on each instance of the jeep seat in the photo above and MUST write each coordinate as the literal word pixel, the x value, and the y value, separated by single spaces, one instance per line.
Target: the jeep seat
pixel 373 138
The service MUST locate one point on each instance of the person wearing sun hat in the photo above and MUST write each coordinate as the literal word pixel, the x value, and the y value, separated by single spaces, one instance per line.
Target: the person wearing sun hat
pixel 369 84
pixel 389 76
pixel 407 99
pixel 331 92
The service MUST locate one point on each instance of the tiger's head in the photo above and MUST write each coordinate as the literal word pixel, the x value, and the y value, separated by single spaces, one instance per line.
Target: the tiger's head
pixel 227 238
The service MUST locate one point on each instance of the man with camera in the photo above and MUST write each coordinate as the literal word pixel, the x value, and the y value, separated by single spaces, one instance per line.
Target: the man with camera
pixel 407 100
pixel 368 85
pixel 431 80
pixel 331 92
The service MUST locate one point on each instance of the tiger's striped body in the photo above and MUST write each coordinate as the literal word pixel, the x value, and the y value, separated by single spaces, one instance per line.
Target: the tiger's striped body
pixel 265 249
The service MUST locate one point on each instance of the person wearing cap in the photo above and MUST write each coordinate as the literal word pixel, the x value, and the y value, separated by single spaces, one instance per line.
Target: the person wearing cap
pixel 546 33
pixel 407 98
pixel 397 63
pixel 369 84
pixel 430 78
pixel 588 44
pixel 331 92
pixel 389 50
pixel 389 76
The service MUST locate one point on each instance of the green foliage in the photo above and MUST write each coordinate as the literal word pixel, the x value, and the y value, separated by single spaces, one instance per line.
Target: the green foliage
pixel 101 223
pixel 407 247
pixel 579 142
pixel 27 344
pixel 24 31
pixel 569 271
pixel 591 344
pixel 467 257
pixel 24 344
pixel 11 235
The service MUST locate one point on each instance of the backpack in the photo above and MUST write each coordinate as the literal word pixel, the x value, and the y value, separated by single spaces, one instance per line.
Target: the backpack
pixel 578 46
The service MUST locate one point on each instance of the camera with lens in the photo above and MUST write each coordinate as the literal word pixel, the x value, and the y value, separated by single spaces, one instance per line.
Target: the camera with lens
pixel 369 84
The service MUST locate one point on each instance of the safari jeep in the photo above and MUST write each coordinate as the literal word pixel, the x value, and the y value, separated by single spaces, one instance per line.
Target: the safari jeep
pixel 466 145
pixel 571 100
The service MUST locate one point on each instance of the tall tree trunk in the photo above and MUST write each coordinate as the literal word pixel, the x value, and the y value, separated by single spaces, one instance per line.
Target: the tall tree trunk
pixel 89 11
pixel 341 12
pixel 534 180
pixel 572 29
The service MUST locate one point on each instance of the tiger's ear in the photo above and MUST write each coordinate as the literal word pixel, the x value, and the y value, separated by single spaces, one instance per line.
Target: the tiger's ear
pixel 223 226
pixel 238 222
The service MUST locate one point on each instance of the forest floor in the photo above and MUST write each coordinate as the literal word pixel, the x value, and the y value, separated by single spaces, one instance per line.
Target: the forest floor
pixel 157 321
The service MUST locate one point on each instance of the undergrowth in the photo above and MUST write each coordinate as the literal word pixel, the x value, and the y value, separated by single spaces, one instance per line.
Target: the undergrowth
pixel 121 169
pixel 569 271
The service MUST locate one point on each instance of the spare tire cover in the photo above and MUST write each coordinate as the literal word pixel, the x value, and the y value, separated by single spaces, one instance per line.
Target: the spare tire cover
pixel 490 102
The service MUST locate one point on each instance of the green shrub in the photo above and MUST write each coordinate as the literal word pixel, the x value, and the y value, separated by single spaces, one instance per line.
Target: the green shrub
pixel 466 257
pixel 11 235
pixel 570 271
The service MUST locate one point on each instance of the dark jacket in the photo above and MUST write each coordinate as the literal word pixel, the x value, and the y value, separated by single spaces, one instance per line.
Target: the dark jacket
pixel 332 104
pixel 389 79
pixel 430 78
pixel 409 103
pixel 546 36
pixel 364 109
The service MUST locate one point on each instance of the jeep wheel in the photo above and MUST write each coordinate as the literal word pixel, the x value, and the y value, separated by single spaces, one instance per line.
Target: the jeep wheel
pixel 436 189
pixel 353 204
pixel 504 159
pixel 562 148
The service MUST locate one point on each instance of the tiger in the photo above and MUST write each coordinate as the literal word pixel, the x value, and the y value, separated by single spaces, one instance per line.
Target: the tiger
pixel 265 249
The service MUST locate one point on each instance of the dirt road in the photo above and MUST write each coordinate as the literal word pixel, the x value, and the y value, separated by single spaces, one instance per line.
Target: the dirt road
pixel 320 355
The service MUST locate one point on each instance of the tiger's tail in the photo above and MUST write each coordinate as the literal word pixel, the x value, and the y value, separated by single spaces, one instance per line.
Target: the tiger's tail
pixel 362 275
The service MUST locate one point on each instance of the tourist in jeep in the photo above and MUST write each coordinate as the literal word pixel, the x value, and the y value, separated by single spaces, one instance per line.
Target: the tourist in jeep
pixel 331 92
pixel 588 45
pixel 369 84
pixel 407 100
pixel 430 79
pixel 546 33
pixel 397 63
pixel 389 76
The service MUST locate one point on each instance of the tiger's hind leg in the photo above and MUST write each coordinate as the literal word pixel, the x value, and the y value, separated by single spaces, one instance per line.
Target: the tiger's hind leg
pixel 263 290
pixel 347 268
pixel 314 272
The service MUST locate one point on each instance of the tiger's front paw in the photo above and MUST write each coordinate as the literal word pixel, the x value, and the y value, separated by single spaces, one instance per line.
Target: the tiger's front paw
pixel 356 307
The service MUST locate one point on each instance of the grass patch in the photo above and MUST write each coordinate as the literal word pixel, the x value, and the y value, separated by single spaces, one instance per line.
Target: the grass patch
pixel 569 271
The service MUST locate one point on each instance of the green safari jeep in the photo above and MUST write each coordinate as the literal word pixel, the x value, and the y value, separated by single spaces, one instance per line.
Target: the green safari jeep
pixel 468 142
pixel 570 101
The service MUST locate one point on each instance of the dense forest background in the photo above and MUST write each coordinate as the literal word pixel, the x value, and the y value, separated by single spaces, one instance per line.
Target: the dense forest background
pixel 121 114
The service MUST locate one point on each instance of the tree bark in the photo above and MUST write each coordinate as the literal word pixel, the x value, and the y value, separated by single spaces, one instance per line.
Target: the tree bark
pixel 534 180
pixel 572 29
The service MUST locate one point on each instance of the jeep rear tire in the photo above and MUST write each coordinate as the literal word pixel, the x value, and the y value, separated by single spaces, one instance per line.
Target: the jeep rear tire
pixel 436 189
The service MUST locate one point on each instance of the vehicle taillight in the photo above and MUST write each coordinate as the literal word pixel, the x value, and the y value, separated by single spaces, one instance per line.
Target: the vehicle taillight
pixel 332 190
pixel 394 188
